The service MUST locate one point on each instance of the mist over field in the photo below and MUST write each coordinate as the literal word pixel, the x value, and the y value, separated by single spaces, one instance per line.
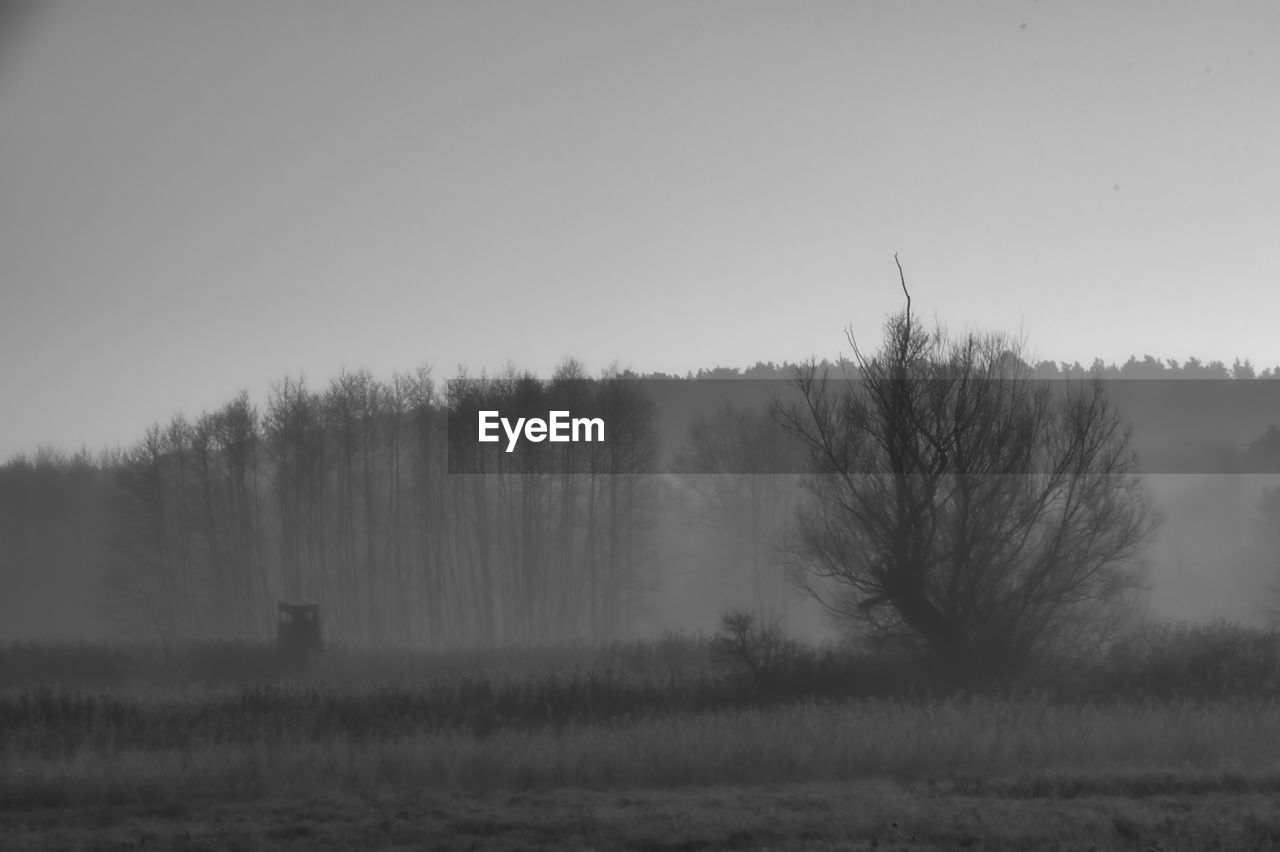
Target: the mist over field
pixel 1208 562
pixel 198 529
pixel 507 635
pixel 642 426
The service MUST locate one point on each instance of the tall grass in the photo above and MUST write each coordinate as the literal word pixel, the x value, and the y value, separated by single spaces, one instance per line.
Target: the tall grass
pixel 974 739
pixel 106 724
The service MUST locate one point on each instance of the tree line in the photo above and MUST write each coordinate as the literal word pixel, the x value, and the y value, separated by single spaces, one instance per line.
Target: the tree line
pixel 341 495
pixel 1148 367
pixel 354 496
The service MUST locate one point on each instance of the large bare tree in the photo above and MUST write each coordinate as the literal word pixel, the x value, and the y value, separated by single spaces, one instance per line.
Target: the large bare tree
pixel 962 505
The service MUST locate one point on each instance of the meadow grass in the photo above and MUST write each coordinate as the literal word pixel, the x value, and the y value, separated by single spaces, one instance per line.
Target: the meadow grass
pixel 1175 708
pixel 1019 746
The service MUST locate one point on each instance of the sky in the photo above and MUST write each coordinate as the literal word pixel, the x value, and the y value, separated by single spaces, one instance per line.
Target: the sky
pixel 200 197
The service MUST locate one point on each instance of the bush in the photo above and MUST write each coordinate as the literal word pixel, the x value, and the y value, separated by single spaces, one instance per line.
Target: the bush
pixel 1194 661
pixel 760 649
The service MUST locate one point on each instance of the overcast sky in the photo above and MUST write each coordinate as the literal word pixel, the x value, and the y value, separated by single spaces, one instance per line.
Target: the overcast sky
pixel 198 197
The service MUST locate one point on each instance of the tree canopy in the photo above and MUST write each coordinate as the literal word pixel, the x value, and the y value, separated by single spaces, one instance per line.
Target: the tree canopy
pixel 962 504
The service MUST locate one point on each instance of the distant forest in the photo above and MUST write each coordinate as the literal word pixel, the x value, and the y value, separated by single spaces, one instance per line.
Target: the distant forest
pixel 342 495
pixel 1147 368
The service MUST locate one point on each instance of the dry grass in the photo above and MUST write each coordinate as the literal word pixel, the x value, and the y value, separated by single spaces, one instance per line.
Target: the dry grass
pixel 638 747
pixel 1215 745
pixel 849 816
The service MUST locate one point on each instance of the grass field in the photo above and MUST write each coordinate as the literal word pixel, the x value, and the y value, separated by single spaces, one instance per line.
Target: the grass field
pixel 637 747
pixel 813 816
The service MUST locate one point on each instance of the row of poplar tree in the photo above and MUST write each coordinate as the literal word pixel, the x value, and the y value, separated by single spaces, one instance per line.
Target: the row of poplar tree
pixel 344 496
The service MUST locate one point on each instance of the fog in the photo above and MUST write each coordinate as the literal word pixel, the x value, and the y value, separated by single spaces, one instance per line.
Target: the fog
pixel 200 528
pixel 1209 560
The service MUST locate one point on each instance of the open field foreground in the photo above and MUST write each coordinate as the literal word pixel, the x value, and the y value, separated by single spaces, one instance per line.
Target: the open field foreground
pixel 1171 740
pixel 982 773
pixel 1145 812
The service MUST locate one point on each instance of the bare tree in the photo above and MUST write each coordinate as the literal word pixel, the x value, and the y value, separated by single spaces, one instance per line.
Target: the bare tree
pixel 758 646
pixel 959 504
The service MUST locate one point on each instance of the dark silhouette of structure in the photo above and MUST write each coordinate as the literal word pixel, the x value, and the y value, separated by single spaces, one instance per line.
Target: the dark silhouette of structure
pixel 298 628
